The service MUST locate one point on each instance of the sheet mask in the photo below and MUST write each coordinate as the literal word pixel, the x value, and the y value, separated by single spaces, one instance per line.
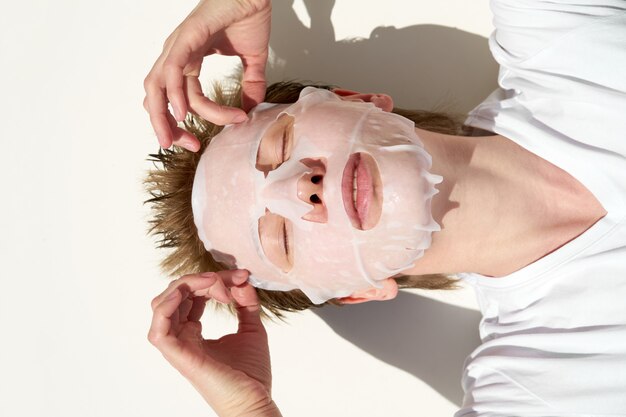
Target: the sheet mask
pixel 331 259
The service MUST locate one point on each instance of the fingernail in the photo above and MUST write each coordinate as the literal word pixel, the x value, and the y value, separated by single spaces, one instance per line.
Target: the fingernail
pixel 173 295
pixel 207 274
pixel 188 144
pixel 240 118
pixel 161 141
pixel 241 276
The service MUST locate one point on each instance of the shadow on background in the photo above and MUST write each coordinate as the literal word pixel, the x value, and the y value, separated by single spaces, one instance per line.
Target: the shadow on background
pixel 427 338
pixel 421 67
pixel 426 67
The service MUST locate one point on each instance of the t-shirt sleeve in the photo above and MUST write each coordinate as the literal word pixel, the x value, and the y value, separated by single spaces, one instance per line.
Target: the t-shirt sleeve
pixel 526 27
pixel 490 393
pixel 561 73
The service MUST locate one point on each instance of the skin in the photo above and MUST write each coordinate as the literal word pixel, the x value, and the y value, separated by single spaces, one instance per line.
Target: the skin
pixel 494 193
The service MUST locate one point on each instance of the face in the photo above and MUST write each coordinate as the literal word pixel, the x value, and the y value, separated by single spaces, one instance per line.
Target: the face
pixel 324 195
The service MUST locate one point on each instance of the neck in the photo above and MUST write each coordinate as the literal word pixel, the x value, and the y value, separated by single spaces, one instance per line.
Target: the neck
pixel 499 206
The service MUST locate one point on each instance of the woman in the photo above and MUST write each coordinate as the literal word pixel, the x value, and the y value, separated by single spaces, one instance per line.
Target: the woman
pixel 547 181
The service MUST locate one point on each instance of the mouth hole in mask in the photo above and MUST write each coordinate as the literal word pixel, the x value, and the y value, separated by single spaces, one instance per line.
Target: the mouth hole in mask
pixel 361 188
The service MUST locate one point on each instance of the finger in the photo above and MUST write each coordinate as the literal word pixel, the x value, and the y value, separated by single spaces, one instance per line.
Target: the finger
pixel 181 137
pixel 178 60
pixel 173 74
pixel 230 277
pixel 197 309
pixel 253 82
pixel 175 323
pixel 164 336
pixel 199 284
pixel 184 308
pixel 234 277
pixel 160 329
pixel 209 110
pixel 253 94
pixel 157 109
pixel 248 307
pixel 219 292
pixel 195 283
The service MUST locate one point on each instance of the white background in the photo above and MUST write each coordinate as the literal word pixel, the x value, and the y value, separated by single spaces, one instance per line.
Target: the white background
pixel 79 271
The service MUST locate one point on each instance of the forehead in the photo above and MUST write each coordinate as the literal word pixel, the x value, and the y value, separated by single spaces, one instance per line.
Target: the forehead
pixel 314 117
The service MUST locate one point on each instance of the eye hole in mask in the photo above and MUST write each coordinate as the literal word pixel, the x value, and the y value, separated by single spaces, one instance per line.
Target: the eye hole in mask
pixel 274 233
pixel 276 145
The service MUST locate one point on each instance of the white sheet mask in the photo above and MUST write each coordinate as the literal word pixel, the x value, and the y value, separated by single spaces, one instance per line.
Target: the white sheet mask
pixel 332 258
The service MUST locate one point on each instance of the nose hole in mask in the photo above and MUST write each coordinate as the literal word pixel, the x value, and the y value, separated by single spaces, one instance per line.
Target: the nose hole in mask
pixel 315 199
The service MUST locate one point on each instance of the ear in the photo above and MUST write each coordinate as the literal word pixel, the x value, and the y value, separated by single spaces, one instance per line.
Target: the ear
pixel 382 101
pixel 387 292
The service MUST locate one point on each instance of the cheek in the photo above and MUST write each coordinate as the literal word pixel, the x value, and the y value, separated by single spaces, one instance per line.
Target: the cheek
pixel 325 248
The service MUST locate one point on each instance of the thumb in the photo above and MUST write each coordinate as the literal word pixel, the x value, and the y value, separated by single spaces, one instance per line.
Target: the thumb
pixel 253 84
pixel 248 308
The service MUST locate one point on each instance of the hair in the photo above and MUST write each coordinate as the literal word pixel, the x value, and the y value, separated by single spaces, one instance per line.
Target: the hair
pixel 170 183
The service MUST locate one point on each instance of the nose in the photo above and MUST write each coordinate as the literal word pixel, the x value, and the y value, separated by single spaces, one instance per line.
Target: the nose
pixel 311 190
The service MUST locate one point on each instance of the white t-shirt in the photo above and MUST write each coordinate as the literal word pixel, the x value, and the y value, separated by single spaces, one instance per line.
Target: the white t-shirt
pixel 554 333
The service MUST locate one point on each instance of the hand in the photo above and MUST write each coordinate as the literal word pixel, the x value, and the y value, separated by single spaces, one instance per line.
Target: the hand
pixel 226 27
pixel 232 373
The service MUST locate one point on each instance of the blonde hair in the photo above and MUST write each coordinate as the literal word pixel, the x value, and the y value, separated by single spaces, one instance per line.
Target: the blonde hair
pixel 170 184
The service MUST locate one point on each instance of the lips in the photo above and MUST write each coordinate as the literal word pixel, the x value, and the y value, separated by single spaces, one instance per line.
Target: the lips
pixel 361 188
